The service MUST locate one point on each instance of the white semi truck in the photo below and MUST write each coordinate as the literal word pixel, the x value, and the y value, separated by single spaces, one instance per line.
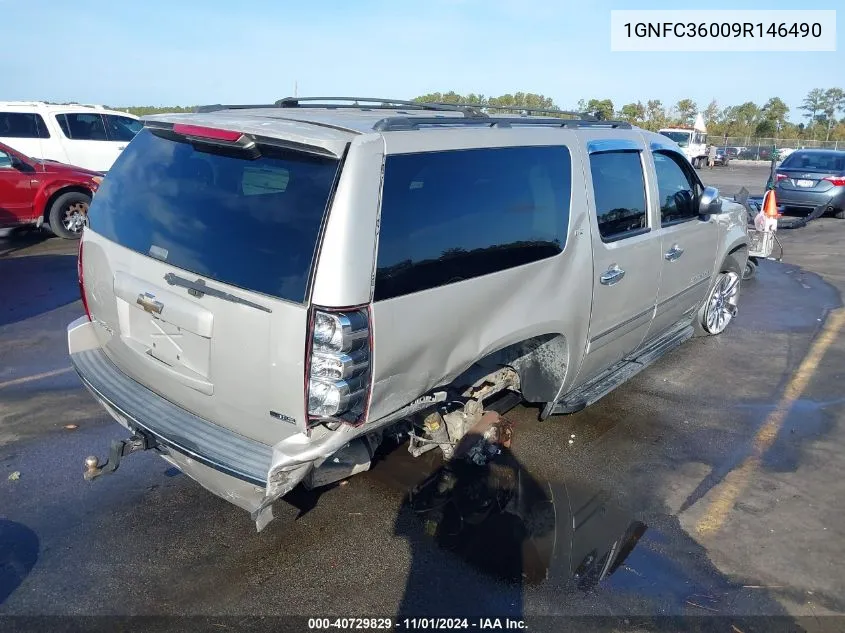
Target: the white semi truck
pixel 692 140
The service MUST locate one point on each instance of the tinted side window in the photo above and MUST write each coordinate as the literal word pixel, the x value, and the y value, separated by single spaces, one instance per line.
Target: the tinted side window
pixel 22 125
pixel 677 190
pixel 455 215
pixel 5 160
pixel 619 191
pixel 84 126
pixel 62 121
pixel 121 128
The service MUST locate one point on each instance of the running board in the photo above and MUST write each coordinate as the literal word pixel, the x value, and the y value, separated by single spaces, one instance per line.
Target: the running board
pixel 623 371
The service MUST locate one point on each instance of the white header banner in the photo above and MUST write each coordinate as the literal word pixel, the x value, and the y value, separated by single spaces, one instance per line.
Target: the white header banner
pixel 722 30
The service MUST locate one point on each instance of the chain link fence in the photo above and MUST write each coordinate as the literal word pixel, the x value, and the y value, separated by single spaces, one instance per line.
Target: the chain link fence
pixel 751 148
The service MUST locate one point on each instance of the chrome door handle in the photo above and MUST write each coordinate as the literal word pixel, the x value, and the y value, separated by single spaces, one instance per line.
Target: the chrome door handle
pixel 674 253
pixel 612 275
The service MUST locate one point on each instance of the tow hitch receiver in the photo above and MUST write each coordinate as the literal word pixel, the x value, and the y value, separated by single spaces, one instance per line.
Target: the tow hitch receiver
pixel 119 449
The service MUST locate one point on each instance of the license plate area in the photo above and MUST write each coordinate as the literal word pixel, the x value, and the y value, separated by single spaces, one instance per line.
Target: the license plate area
pixel 164 326
pixel 169 343
pixel 805 183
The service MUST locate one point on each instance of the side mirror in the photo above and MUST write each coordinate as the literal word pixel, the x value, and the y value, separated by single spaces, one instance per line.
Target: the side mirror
pixel 709 202
pixel 22 166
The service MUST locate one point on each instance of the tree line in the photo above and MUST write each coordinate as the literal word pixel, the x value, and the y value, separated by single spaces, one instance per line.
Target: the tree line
pixel 821 116
pixel 822 109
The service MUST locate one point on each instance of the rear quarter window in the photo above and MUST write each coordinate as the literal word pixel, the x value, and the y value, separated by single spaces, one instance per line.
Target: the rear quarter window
pixel 451 216
pixel 253 224
pixel 121 128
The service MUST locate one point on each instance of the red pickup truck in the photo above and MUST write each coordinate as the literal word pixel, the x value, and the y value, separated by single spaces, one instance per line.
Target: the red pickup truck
pixel 36 191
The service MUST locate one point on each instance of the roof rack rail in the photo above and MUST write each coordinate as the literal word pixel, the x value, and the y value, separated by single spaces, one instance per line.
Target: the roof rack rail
pixel 528 111
pixel 219 106
pixel 358 103
pixel 364 103
pixel 395 124
pixel 22 103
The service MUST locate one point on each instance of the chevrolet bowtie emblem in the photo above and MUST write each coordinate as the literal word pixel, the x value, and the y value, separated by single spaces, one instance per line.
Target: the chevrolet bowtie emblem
pixel 149 303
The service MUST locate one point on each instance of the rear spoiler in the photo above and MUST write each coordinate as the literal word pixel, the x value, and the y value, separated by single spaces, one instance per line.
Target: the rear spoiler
pixel 231 139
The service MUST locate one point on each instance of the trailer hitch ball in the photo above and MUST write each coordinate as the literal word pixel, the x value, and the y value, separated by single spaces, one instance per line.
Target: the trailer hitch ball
pixel 93 468
pixel 91 464
pixel 119 449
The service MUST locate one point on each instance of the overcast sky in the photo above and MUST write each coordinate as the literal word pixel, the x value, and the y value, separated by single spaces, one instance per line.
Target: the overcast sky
pixel 189 52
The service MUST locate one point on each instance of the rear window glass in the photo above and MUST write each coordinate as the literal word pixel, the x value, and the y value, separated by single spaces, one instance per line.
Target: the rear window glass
pixel 812 161
pixel 250 223
pixel 455 215
pixel 22 125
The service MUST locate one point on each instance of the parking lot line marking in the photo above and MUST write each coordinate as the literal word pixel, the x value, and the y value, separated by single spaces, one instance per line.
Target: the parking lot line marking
pixel 738 479
pixel 26 379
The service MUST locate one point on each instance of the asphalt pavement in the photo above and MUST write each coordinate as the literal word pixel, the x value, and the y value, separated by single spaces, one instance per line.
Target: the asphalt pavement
pixel 718 471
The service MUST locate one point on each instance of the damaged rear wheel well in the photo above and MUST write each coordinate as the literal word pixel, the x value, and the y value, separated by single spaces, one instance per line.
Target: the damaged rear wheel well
pixel 540 362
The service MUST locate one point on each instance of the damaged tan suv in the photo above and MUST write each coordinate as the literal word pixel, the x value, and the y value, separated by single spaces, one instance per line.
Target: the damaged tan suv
pixel 270 290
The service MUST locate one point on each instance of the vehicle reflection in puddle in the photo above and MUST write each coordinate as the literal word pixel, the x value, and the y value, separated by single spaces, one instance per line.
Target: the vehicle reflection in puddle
pixel 508 523
pixel 502 520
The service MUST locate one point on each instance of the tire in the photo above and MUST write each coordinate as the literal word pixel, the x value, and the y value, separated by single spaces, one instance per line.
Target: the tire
pixel 750 270
pixel 68 215
pixel 840 214
pixel 719 309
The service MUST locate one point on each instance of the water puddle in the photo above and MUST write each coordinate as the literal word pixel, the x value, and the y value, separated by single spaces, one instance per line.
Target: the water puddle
pixel 808 420
pixel 19 548
pixel 561 544
pixel 505 521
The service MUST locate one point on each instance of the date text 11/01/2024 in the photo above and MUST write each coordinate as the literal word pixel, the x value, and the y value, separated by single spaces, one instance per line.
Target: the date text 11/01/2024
pixel 414 624
pixel 723 29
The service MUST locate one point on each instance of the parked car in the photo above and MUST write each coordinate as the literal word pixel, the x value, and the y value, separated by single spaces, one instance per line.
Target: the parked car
pixel 759 152
pixel 812 180
pixel 37 191
pixel 269 293
pixel 723 157
pixel 91 137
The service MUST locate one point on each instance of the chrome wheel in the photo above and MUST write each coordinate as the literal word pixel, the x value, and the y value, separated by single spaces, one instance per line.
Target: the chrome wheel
pixel 75 216
pixel 721 305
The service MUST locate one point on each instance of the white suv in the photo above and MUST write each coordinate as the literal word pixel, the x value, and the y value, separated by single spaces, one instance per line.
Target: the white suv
pixel 86 136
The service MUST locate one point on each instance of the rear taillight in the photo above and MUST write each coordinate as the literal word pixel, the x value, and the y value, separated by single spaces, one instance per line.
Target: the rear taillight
pixel 81 277
pixel 838 181
pixel 781 177
pixel 338 378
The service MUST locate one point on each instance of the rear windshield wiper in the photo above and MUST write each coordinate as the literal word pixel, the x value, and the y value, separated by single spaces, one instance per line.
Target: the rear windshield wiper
pixel 198 288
